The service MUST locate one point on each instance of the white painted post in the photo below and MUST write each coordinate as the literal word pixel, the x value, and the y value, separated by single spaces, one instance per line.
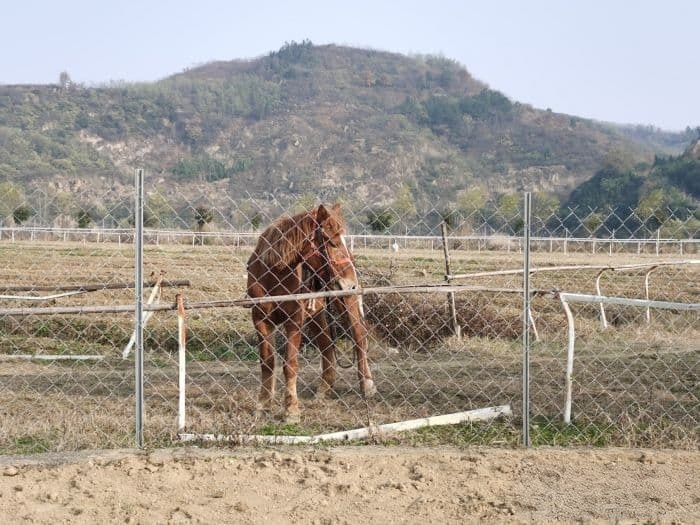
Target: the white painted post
pixel 181 352
pixel 155 294
pixel 603 319
pixel 532 325
pixel 612 237
pixel 569 359
pixel 646 292
pixel 658 235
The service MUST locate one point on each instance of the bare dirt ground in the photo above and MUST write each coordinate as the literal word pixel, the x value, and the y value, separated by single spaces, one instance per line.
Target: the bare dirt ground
pixel 353 485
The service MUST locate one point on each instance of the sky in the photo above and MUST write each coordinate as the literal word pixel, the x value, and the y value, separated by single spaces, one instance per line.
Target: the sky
pixel 624 61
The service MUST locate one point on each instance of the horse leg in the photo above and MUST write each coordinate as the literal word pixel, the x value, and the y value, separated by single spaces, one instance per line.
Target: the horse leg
pixel 291 368
pixel 267 364
pixel 359 336
pixel 327 347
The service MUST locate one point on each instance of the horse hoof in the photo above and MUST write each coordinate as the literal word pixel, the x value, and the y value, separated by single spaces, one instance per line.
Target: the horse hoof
pixel 292 419
pixel 368 388
pixel 261 413
pixel 323 392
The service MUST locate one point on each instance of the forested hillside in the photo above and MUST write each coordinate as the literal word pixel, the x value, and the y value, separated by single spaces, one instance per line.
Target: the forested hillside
pixel 309 123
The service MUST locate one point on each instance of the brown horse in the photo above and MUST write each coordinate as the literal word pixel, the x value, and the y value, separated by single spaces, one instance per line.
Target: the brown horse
pixel 299 254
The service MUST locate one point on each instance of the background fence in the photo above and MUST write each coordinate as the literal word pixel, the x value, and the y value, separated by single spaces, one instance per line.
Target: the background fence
pixel 66 385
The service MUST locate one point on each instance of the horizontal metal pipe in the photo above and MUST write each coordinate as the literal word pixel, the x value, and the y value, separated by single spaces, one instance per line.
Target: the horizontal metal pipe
pixel 624 267
pixel 248 302
pixel 667 305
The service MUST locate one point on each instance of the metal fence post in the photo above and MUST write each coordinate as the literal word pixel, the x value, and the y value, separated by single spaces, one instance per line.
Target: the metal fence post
pixel 138 287
pixel 527 209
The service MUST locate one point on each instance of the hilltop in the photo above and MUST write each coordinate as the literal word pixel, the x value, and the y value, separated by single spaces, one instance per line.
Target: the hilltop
pixel 304 122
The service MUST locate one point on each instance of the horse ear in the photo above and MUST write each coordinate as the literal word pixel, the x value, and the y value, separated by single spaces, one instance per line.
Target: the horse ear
pixel 322 213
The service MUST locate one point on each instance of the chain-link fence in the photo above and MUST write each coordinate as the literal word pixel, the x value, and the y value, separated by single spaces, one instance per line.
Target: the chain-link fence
pixel 67 321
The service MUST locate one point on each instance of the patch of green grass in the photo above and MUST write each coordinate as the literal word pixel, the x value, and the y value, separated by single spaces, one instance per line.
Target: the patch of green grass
pixel 282 429
pixel 42 330
pixel 545 431
pixel 239 349
pixel 27 445
pixel 504 433
pixel 159 362
pixel 461 435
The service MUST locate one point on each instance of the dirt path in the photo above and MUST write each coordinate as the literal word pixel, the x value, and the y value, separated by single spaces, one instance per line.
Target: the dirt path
pixel 352 485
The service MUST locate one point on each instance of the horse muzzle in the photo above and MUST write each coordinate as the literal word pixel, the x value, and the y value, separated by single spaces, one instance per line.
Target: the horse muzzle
pixel 346 284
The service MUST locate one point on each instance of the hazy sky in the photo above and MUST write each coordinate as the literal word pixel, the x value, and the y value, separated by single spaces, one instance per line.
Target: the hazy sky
pixel 627 61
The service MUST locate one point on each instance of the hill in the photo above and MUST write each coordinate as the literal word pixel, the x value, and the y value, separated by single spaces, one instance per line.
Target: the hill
pixel 304 122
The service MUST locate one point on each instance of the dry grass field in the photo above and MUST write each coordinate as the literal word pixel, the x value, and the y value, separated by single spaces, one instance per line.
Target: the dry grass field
pixel 635 383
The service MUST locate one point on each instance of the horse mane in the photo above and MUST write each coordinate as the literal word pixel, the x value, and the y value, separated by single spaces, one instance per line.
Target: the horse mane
pixel 281 241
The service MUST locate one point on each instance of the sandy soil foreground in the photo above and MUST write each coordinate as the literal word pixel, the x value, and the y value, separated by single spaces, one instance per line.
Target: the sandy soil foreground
pixel 352 485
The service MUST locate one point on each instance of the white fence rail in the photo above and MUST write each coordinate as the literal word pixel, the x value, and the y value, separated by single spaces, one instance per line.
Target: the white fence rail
pixel 493 242
pixel 567 298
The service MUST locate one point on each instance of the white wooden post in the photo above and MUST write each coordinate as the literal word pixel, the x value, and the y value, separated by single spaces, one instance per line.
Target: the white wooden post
pixel 569 360
pixel 603 319
pixel 181 352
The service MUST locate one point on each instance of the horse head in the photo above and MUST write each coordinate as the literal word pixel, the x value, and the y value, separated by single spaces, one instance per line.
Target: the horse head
pixel 327 254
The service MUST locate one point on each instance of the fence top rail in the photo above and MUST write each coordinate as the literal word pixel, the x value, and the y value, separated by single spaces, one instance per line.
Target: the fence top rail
pixel 597 299
pixel 368 236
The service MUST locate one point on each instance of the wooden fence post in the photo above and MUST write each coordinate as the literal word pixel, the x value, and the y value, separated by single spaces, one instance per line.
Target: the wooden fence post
pixel 450 296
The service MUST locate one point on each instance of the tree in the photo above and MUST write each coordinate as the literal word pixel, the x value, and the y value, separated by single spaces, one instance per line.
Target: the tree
pixel 305 203
pixel 256 220
pixel 544 205
pixel 83 218
pixel 651 207
pixel 22 213
pixel 450 217
pixel 509 206
pixel 592 222
pixel 609 187
pixel 64 80
pixel 404 204
pixel 159 210
pixel 380 220
pixel 203 216
pixel 11 198
pixel 472 200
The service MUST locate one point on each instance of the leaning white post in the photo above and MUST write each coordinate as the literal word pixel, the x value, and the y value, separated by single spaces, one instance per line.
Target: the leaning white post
pixel 532 325
pixel 181 353
pixel 646 292
pixel 569 359
pixel 155 293
pixel 603 319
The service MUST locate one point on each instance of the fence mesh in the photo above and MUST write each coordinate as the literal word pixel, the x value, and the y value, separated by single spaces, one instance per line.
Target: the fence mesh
pixel 67 385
